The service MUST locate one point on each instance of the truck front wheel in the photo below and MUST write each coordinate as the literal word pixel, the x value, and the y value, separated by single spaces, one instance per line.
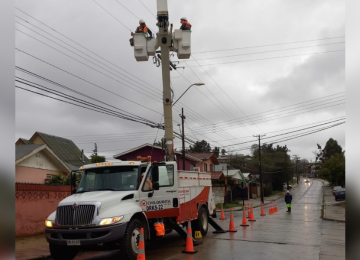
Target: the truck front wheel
pixel 201 223
pixel 62 252
pixel 129 244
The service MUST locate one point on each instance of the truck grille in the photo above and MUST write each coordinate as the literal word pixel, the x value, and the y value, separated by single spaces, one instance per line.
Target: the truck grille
pixel 68 216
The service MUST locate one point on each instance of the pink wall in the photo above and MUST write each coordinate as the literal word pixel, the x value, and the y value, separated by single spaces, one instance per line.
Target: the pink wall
pixel 32 175
pixel 201 165
pixel 33 204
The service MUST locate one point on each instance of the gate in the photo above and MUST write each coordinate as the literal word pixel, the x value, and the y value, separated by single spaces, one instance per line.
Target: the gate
pixel 238 193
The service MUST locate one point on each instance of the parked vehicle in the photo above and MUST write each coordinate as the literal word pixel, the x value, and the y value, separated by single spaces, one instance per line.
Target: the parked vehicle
pixel 111 205
pixel 340 194
pixel 335 189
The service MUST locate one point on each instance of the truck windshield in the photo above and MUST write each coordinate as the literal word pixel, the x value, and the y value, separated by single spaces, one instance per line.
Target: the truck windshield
pixel 116 178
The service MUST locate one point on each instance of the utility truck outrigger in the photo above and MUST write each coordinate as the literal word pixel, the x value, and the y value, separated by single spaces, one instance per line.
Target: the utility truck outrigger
pixel 110 206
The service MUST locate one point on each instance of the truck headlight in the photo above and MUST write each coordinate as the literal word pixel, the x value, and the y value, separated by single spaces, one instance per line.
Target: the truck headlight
pixel 48 223
pixel 108 221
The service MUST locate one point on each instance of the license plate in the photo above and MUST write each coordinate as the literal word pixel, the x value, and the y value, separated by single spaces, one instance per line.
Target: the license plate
pixel 73 242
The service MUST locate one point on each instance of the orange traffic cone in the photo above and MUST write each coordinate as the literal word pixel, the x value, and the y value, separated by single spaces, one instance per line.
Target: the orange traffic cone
pixel 270 208
pixel 141 254
pixel 276 207
pixel 262 210
pixel 244 221
pixel 251 214
pixel 189 241
pixel 222 213
pixel 248 211
pixel 231 225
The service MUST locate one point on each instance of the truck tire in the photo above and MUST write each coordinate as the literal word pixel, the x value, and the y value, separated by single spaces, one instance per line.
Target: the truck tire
pixel 130 242
pixel 62 252
pixel 201 223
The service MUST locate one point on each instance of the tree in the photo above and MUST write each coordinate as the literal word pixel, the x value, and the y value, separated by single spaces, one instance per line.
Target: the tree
pixel 333 169
pixel 200 147
pixel 160 143
pixel 331 148
pixel 59 179
pixel 97 158
pixel 223 151
pixel 216 150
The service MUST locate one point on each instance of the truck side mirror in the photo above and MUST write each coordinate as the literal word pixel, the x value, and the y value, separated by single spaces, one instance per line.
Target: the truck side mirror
pixel 73 179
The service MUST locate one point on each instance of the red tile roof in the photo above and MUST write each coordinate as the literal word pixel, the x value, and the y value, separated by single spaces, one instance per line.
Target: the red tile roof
pixel 217 175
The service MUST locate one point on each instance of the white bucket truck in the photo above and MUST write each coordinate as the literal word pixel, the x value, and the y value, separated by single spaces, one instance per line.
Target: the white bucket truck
pixel 110 206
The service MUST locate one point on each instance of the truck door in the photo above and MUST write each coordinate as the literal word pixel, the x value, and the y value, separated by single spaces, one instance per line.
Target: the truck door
pixel 163 202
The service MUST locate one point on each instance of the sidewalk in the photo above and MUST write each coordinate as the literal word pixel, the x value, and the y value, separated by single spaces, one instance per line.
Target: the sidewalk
pixel 257 202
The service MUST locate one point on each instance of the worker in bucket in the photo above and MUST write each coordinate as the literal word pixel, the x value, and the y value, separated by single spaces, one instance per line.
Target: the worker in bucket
pixel 288 199
pixel 185 25
pixel 142 28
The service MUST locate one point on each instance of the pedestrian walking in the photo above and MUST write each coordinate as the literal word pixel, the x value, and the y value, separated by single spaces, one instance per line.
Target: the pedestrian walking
pixel 288 199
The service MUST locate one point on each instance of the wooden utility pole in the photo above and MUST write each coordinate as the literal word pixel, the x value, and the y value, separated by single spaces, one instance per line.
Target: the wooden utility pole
pixel 183 136
pixel 260 173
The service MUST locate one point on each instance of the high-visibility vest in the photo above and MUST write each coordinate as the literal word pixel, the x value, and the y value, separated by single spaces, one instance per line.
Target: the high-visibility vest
pixel 187 25
pixel 142 29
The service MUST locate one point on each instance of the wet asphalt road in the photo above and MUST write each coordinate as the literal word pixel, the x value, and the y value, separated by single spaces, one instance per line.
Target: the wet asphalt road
pixel 282 235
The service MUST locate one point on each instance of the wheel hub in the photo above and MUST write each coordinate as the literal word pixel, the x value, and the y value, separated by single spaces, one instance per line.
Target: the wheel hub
pixel 135 238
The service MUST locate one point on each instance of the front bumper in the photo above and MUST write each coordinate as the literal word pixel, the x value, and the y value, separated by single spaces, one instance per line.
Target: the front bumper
pixel 86 236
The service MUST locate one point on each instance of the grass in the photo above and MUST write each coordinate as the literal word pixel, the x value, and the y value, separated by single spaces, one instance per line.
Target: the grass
pixel 274 192
pixel 229 205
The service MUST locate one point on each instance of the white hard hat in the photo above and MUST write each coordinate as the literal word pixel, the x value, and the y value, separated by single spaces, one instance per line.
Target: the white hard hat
pixel 287 191
pixel 141 21
pixel 183 18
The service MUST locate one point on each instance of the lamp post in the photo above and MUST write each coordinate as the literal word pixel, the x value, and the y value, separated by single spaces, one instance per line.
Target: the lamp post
pixel 197 84
pixel 182 121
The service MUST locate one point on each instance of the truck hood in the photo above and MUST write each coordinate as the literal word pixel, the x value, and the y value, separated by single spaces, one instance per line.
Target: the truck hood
pixel 107 198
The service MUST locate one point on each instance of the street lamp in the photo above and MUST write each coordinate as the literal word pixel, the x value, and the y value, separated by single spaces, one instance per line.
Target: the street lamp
pixel 182 122
pixel 197 84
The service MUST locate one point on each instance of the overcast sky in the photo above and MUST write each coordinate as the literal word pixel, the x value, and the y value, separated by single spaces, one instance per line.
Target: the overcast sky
pixel 269 67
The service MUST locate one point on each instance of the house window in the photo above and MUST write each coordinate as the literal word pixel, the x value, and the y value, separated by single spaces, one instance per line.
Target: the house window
pixel 212 167
pixel 205 167
pixel 48 176
pixel 192 167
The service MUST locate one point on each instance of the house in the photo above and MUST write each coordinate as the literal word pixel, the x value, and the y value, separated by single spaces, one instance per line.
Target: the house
pixel 236 175
pixel 217 175
pixel 207 161
pixel 36 163
pixel 157 153
pixel 63 148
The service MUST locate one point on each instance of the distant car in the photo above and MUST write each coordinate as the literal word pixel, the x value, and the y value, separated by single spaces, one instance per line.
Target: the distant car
pixel 335 189
pixel 340 194
pixel 307 180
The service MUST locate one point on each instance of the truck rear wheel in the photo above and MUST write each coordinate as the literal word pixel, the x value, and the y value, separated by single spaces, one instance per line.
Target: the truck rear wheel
pixel 201 223
pixel 129 244
pixel 62 252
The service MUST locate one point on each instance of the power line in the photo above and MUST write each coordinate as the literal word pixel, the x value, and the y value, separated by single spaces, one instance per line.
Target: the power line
pixel 257 46
pixel 286 56
pixel 76 43
pixel 253 53
pixel 144 90
pixel 112 16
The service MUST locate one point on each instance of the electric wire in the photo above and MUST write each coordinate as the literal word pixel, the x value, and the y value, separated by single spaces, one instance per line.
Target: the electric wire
pixel 266 45
pixel 285 56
